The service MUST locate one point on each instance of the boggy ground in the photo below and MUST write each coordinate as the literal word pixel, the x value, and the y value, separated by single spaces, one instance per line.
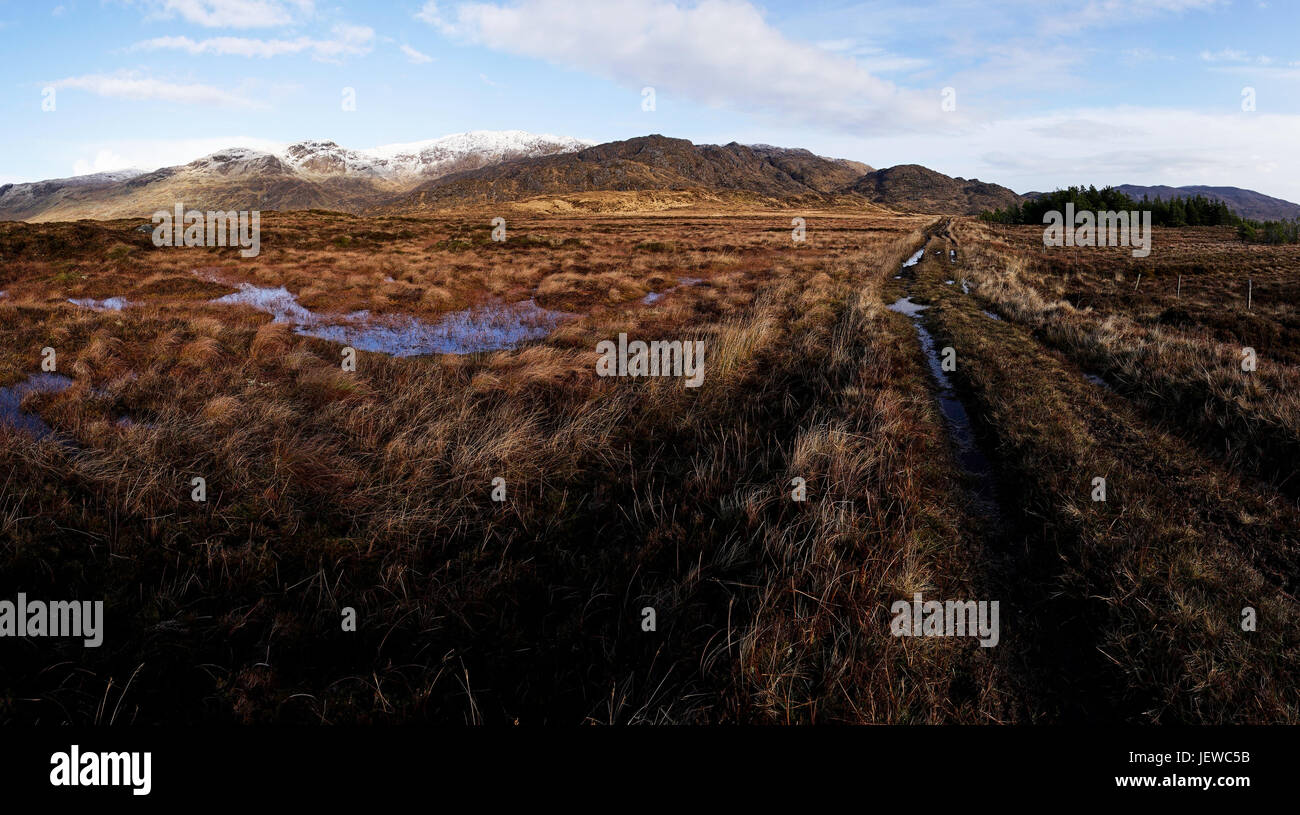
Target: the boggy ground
pixel 1132 606
pixel 372 489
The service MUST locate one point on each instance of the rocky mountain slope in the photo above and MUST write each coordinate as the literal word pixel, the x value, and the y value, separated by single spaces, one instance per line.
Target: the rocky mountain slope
pixel 485 167
pixel 307 174
pixel 645 163
pixel 916 188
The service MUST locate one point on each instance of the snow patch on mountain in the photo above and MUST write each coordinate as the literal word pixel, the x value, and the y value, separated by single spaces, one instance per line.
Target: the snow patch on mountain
pixel 428 158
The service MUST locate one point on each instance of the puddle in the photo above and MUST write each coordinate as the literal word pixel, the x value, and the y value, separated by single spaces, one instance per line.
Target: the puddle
pixel 991 315
pixel 952 255
pixel 949 282
pixel 109 304
pixel 914 259
pixel 904 305
pixel 481 328
pixel 655 296
pixel 954 412
pixel 279 303
pixel 965 287
pixel 11 401
pixel 1097 380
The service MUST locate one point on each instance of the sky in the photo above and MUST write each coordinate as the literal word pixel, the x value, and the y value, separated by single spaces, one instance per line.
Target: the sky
pixel 1031 95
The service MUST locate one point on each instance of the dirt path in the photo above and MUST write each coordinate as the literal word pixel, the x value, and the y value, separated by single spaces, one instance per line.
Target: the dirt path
pixel 1126 608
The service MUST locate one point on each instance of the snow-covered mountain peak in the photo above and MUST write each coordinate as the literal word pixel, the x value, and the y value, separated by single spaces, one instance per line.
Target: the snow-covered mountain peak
pixel 486 142
pixel 429 158
pixel 237 160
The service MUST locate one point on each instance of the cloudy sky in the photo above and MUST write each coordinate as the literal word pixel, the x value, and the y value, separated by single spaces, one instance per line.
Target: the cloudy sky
pixel 1039 94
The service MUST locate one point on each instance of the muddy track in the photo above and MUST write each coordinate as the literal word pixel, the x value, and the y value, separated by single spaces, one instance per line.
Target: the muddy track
pixel 1049 645
pixel 1085 632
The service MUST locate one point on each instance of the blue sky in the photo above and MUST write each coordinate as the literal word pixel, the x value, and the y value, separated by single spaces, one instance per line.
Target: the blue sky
pixel 1046 94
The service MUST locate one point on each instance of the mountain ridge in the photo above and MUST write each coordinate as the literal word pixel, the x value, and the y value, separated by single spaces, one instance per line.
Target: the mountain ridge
pixel 554 173
pixel 307 174
pixel 1245 203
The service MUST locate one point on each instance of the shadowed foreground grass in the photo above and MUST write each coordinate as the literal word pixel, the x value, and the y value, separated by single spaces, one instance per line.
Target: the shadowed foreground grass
pixel 372 490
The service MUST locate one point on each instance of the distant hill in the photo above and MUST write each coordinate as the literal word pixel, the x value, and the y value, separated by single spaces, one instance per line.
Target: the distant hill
pixel 913 187
pixel 23 201
pixel 1246 203
pixel 659 163
pixel 546 173
pixel 308 174
pixel 644 163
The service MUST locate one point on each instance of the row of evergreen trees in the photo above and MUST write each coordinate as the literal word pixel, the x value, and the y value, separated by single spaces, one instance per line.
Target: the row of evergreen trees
pixel 1194 211
pixel 1269 231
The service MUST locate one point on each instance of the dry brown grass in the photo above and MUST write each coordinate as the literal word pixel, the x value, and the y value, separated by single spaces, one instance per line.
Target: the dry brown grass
pixel 1132 606
pixel 372 489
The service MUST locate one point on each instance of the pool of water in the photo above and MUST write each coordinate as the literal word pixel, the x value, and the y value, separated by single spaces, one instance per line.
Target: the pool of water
pixel 107 304
pixel 655 296
pixel 960 428
pixel 905 305
pixel 914 259
pixel 1097 380
pixel 11 400
pixel 490 327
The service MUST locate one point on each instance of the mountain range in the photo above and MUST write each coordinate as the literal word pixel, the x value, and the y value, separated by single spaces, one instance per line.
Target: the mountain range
pixel 305 175
pixel 487 167
pixel 1246 203
pixel 497 167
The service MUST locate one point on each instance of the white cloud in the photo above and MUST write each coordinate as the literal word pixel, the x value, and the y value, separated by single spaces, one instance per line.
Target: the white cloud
pixel 151 154
pixel 1261 71
pixel 1098 13
pixel 428 13
pixel 416 56
pixel 1109 146
pixel 718 52
pixel 1136 55
pixel 1226 55
pixel 873 59
pixel 1017 66
pixel 129 86
pixel 348 40
pixel 103 161
pixel 233 13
